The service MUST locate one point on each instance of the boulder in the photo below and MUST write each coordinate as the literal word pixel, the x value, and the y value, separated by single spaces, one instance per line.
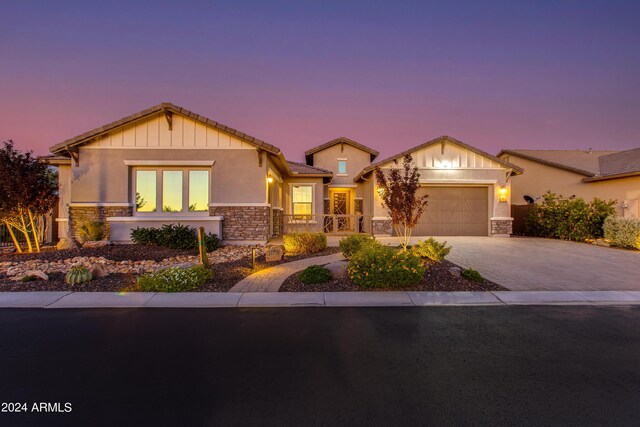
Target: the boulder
pixel 92 244
pixel 97 270
pixel 66 243
pixel 338 269
pixel 40 275
pixel 455 271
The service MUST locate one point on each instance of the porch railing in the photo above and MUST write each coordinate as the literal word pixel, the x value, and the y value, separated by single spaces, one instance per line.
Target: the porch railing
pixel 327 223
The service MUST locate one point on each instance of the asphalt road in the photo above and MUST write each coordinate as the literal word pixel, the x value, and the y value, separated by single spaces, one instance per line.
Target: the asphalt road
pixel 323 366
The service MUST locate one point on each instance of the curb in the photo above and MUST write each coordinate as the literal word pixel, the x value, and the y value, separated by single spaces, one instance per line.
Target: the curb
pixel 61 300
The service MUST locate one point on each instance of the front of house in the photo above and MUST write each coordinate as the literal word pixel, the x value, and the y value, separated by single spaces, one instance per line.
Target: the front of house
pixel 169 165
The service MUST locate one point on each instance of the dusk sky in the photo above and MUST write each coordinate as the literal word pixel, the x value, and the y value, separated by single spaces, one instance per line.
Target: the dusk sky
pixel 391 75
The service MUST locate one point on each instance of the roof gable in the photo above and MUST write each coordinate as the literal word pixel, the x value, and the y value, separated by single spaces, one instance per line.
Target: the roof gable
pixel 466 156
pixel 167 110
pixel 341 140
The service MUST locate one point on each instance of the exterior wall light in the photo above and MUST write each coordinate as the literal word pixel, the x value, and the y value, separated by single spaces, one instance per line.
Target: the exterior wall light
pixel 380 191
pixel 269 179
pixel 502 194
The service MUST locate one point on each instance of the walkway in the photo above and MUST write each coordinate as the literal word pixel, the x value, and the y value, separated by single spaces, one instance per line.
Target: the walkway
pixel 270 279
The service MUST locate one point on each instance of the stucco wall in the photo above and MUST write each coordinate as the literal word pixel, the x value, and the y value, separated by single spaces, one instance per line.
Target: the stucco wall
pixel 103 177
pixel 356 161
pixel 538 179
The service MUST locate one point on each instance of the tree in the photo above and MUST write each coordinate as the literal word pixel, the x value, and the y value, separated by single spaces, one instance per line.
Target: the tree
pixel 27 189
pixel 397 189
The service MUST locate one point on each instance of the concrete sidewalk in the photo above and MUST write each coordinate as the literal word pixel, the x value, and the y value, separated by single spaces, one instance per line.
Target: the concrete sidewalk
pixel 311 299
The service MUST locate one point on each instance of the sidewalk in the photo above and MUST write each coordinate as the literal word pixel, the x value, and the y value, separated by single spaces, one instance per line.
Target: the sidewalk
pixel 51 300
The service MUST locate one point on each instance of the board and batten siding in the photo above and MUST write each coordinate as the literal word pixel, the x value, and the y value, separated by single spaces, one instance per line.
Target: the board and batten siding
pixel 453 157
pixel 153 132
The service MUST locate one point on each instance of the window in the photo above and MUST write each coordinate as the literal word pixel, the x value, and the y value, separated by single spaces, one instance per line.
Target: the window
pixel 302 199
pixel 171 190
pixel 342 167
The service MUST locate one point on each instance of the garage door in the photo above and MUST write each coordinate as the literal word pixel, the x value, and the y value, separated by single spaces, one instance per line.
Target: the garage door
pixel 454 211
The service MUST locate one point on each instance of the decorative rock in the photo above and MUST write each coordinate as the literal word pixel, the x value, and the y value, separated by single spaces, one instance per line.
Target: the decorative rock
pixel 274 253
pixel 184 265
pixel 66 243
pixel 92 244
pixel 338 269
pixel 40 274
pixel 97 270
pixel 455 271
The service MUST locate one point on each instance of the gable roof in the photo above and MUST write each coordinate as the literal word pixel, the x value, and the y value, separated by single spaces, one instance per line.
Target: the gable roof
pixel 303 169
pixel 163 107
pixel 444 138
pixel 595 165
pixel 341 140
pixel 584 162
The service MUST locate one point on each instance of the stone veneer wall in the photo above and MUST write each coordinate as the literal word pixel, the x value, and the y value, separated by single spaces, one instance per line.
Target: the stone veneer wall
pixel 243 222
pixel 501 226
pixel 277 221
pixel 381 226
pixel 80 214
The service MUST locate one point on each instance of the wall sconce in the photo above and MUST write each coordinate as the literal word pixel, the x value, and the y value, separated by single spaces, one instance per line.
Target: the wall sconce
pixel 380 191
pixel 502 194
pixel 269 179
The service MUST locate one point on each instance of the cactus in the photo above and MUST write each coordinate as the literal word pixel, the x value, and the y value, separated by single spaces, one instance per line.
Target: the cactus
pixel 78 275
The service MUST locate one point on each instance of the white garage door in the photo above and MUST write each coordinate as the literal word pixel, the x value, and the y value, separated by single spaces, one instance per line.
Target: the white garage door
pixel 454 211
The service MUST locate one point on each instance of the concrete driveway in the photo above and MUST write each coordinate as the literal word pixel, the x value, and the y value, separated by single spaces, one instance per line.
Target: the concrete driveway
pixel 530 264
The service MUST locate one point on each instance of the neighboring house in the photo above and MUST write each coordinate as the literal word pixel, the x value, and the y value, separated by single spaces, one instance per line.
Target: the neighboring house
pixel 587 174
pixel 169 165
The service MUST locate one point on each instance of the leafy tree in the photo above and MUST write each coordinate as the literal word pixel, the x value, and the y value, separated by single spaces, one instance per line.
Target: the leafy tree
pixel 398 188
pixel 27 189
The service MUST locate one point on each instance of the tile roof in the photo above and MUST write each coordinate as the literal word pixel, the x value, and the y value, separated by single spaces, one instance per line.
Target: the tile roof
pixel 303 169
pixel 165 106
pixel 621 162
pixel 585 162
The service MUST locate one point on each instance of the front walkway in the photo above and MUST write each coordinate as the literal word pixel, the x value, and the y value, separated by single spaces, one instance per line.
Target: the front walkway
pixel 270 279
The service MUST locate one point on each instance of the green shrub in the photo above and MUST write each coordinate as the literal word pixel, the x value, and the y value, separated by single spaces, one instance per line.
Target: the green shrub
pixel 304 243
pixel 174 236
pixel 622 232
pixel 315 274
pixel 92 230
pixel 377 266
pixel 352 244
pixel 432 249
pixel 175 279
pixel 568 219
pixel 471 274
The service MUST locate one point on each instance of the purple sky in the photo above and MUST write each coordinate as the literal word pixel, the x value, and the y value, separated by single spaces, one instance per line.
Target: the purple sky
pixel 391 75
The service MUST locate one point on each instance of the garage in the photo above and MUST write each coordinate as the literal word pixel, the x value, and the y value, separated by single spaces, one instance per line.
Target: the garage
pixel 454 211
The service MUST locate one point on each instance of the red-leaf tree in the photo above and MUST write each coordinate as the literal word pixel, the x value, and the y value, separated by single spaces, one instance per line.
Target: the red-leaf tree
pixel 27 189
pixel 397 189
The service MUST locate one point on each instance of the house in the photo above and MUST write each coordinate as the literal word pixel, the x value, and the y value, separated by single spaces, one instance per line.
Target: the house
pixel 169 165
pixel 587 174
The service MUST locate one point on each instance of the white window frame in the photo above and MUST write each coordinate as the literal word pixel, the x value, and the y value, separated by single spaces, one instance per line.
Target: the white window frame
pixel 346 165
pixel 159 188
pixel 313 196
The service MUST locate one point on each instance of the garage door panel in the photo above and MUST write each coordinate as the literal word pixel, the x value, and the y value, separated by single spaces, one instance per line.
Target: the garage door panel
pixel 454 211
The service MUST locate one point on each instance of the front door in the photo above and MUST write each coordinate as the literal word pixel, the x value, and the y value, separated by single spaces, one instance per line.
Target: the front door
pixel 341 207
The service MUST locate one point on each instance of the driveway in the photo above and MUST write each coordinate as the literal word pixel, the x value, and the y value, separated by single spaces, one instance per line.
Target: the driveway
pixel 530 264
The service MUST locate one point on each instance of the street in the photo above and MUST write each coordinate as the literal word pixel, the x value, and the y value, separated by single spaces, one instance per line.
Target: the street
pixel 492 365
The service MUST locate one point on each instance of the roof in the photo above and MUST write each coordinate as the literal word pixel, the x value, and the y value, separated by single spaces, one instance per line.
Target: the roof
pixel 438 140
pixel 52 159
pixel 584 162
pixel 596 165
pixel 303 169
pixel 341 140
pixel 164 107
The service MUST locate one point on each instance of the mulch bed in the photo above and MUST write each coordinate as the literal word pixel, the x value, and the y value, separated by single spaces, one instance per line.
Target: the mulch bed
pixel 436 278
pixel 226 274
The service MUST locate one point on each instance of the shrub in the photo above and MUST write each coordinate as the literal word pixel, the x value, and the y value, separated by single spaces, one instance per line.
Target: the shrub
pixel 622 232
pixel 378 266
pixel 174 236
pixel 92 230
pixel 303 243
pixel 175 279
pixel 352 244
pixel 315 274
pixel 568 219
pixel 432 249
pixel 471 274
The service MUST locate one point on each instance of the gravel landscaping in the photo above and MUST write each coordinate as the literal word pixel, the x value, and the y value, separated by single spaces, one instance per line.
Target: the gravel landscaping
pixel 124 263
pixel 437 278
